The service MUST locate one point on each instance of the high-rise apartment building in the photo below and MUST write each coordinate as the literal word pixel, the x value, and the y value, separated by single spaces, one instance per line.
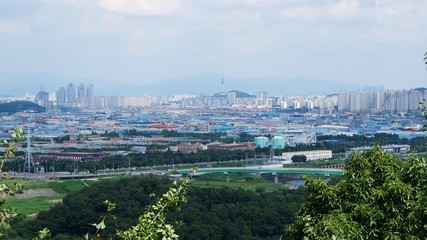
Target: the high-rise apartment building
pixel 374 101
pixel 90 96
pixel 262 99
pixel 81 95
pixel 71 93
pixel 231 98
pixel 90 91
pixel 81 91
pixel 61 96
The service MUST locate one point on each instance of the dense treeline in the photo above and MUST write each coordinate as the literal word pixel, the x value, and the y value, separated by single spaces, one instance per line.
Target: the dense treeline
pixel 148 159
pixel 210 213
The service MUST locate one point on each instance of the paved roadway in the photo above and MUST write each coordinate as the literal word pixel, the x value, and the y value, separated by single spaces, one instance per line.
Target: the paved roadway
pixel 276 169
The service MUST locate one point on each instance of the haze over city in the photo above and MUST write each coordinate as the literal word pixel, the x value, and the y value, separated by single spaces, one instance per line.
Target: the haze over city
pixel 139 43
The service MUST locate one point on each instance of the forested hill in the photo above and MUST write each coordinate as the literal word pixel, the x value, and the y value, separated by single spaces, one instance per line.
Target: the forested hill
pixel 19 106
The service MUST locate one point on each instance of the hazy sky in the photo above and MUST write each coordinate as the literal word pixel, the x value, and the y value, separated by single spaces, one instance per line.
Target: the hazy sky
pixel 368 42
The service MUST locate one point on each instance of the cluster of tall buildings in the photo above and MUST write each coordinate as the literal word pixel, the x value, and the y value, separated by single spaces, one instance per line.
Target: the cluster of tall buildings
pixel 76 96
pixel 377 101
pixel 82 96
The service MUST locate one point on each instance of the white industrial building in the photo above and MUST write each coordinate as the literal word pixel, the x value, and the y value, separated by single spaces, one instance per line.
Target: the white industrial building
pixel 311 155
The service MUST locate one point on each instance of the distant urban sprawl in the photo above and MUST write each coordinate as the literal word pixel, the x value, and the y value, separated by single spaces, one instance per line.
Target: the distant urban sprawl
pixel 83 96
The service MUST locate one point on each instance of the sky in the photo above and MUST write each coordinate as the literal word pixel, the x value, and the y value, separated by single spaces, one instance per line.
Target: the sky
pixel 367 42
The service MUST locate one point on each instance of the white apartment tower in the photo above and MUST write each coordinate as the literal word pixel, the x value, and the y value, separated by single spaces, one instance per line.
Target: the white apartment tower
pixel 61 96
pixel 71 93
pixel 261 99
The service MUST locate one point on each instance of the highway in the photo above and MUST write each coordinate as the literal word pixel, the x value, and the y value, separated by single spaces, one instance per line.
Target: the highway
pixel 274 169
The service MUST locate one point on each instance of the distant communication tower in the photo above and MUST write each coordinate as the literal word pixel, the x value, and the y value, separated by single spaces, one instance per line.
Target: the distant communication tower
pixel 222 85
pixel 29 154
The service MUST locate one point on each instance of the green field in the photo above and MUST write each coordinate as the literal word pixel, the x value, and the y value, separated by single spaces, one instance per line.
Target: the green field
pixel 31 206
pixel 252 186
pixel 237 180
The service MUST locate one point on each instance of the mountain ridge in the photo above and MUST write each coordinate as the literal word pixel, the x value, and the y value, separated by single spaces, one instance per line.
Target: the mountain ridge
pixel 207 84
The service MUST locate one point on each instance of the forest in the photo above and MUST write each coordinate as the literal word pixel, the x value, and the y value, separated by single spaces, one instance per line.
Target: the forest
pixel 210 213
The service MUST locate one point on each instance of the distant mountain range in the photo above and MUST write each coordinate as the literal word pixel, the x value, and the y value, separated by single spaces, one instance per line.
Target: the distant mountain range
pixel 211 83
pixel 208 84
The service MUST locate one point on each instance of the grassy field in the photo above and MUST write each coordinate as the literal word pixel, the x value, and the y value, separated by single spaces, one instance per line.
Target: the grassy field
pixel 69 186
pixel 31 206
pixel 237 180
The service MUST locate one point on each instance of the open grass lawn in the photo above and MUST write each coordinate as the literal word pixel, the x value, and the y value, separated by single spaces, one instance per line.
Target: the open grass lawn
pixel 237 180
pixel 30 206
pixel 233 177
pixel 69 186
pixel 252 186
pixel 28 183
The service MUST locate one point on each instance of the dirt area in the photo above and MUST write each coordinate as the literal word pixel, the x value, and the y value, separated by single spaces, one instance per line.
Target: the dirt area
pixel 39 192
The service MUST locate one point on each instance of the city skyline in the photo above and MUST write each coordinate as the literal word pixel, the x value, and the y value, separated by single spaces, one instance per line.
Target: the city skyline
pixel 144 42
pixel 374 101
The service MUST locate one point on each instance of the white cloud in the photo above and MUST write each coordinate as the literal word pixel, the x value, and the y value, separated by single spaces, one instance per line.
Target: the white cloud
pixel 141 7
pixel 60 1
pixel 12 27
pixel 346 9
pixel 243 3
pixel 303 13
pixel 339 10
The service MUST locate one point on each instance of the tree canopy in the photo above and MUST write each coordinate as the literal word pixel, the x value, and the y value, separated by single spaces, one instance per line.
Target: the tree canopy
pixel 382 197
pixel 299 158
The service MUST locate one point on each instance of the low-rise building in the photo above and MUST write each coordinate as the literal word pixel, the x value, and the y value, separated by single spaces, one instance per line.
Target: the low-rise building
pixel 232 146
pixel 187 147
pixel 394 149
pixel 311 155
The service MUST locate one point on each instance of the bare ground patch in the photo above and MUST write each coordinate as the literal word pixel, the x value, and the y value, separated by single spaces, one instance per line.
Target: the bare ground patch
pixel 38 192
pixel 55 200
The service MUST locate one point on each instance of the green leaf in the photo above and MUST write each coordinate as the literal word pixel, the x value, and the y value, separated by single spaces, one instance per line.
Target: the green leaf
pixel 101 225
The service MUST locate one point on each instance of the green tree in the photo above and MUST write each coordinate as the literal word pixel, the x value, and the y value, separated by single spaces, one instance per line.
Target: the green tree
pixel 7 214
pixel 381 197
pixel 299 158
